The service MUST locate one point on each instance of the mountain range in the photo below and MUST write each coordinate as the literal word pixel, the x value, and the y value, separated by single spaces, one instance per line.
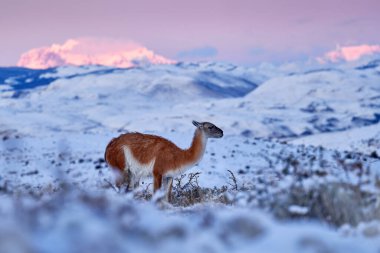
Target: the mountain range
pixel 250 101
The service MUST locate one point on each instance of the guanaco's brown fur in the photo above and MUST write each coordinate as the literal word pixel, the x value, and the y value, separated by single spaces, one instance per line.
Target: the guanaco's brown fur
pixel 158 156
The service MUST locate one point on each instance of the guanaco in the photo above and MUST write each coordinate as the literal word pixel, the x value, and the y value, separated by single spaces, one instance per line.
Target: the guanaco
pixel 137 155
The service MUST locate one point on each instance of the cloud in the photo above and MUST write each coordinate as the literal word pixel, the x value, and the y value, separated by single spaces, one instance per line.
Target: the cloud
pixel 200 52
pixel 349 53
pixel 91 51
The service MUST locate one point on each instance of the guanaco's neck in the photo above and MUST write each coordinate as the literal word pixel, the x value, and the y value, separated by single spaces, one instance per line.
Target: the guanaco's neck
pixel 198 146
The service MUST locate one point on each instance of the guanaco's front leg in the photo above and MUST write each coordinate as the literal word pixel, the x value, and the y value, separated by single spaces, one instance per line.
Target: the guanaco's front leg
pixel 157 181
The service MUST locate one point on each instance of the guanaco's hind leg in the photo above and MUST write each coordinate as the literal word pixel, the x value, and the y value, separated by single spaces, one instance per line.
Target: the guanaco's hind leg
pixel 134 182
pixel 123 178
pixel 168 188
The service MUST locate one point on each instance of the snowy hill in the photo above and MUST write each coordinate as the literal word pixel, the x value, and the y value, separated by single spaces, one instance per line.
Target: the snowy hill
pixel 246 101
pixel 180 81
pixel 17 78
pixel 327 100
pixel 307 103
pixel 97 96
pixel 55 188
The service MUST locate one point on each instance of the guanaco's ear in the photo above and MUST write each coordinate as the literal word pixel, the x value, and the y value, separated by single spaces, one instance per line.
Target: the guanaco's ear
pixel 195 123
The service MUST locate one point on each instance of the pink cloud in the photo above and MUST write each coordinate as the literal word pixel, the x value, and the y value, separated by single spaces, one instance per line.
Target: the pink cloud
pixel 91 51
pixel 349 53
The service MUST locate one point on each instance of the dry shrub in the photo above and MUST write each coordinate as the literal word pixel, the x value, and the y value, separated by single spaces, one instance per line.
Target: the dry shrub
pixel 335 203
pixel 195 195
pixel 186 192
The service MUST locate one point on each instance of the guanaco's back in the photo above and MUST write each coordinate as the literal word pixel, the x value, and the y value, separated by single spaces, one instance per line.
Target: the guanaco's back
pixel 144 148
pixel 137 155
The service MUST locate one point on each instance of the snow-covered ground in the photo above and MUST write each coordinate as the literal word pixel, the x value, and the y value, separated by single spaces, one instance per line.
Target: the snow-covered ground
pixel 262 187
pixel 363 139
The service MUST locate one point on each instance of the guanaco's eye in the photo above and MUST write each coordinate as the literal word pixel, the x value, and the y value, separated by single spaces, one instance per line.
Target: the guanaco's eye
pixel 210 127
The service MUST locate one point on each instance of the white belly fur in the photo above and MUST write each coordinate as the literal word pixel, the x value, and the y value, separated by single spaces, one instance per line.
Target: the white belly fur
pixel 138 169
pixel 178 171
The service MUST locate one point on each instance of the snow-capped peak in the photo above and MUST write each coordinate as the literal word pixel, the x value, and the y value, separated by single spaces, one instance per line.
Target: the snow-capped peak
pixel 91 51
pixel 349 53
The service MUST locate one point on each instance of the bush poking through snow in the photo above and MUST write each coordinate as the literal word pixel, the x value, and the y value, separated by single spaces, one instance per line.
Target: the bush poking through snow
pixel 333 203
pixel 187 192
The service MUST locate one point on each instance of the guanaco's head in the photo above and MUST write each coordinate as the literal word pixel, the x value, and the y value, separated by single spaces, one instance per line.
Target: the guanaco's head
pixel 209 129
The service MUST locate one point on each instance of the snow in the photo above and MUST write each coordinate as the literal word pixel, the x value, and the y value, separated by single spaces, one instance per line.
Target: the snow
pixel 298 209
pixel 266 186
pixel 123 227
pixel 362 139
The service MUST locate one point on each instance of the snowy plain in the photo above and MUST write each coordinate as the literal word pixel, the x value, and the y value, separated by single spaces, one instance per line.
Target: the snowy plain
pixel 297 171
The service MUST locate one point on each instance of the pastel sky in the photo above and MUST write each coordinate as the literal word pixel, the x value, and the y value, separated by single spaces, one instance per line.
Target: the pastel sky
pixel 238 31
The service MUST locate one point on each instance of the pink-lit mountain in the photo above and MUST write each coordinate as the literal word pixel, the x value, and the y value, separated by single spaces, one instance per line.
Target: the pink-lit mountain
pixel 91 51
pixel 349 53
